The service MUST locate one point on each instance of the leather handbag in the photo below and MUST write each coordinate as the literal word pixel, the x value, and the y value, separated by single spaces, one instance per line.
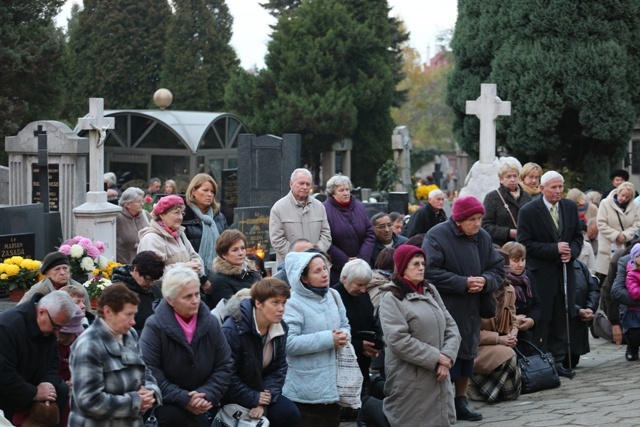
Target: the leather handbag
pixel 537 370
pixel 232 415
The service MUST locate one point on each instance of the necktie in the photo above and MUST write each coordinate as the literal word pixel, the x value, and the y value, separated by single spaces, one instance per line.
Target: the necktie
pixel 554 215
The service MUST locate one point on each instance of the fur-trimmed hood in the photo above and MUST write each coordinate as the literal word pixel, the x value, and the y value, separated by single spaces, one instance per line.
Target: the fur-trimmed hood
pixel 222 266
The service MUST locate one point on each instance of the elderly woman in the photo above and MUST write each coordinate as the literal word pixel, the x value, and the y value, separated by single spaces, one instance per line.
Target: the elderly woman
pixel 618 222
pixel 318 326
pixel 422 341
pixel 502 205
pixel 165 235
pixel 56 270
pixel 131 219
pixel 232 270
pixel 466 269
pixel 140 277
pixel 203 220
pixel 586 209
pixel 352 235
pixel 257 336
pixel 112 385
pixel 170 187
pixel 530 179
pixel 185 349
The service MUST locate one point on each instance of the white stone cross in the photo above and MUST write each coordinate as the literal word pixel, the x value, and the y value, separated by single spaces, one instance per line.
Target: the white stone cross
pixel 488 107
pixel 97 125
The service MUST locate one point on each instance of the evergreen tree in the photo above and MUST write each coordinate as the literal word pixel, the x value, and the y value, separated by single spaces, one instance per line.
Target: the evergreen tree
pixel 116 48
pixel 31 66
pixel 199 60
pixel 570 69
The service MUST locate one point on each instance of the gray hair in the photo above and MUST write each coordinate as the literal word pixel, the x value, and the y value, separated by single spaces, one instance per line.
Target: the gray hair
pixel 378 216
pixel 110 176
pixel 58 301
pixel 548 176
pixel 594 197
pixel 336 181
pixel 298 171
pixel 507 163
pixel 357 269
pixel 434 193
pixel 175 278
pixel 129 195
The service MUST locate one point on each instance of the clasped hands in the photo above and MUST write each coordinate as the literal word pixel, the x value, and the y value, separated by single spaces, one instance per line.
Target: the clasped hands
pixel 263 400
pixel 475 284
pixel 442 368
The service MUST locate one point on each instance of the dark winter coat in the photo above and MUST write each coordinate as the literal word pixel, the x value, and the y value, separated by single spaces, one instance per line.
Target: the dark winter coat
pixel 497 220
pixel 193 227
pixel 351 234
pixel 229 279
pixel 249 379
pixel 538 233
pixel 148 297
pixel 205 365
pixel 423 220
pixel 451 258
pixel 27 357
pixel 396 240
pixel 587 296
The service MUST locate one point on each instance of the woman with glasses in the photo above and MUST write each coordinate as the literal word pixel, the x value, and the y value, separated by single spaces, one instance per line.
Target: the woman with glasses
pixel 165 235
pixel 466 270
pixel 140 277
pixel 131 219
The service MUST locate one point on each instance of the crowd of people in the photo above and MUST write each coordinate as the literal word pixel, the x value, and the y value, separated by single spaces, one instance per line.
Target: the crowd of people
pixel 433 306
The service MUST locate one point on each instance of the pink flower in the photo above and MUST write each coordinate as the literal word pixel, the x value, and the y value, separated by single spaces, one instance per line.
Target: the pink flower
pixel 100 246
pixel 65 249
pixel 85 243
pixel 93 252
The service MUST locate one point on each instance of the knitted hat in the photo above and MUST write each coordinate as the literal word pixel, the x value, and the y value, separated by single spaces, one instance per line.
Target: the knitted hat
pixel 403 255
pixel 635 251
pixel 75 325
pixel 166 203
pixel 465 207
pixel 53 259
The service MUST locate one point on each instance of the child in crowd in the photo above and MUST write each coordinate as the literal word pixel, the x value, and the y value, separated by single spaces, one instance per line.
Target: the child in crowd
pixel 78 297
pixel 631 319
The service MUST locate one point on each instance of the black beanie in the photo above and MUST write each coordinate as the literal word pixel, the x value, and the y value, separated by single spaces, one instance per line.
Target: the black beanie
pixel 53 259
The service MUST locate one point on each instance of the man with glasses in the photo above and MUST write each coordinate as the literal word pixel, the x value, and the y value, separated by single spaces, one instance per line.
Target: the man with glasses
pixel 29 358
pixel 385 237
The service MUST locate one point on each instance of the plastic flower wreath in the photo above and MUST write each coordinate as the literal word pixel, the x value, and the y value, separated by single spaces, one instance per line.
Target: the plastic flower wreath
pixel 83 254
pixel 19 273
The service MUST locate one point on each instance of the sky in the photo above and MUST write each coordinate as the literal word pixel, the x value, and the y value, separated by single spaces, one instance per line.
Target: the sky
pixel 423 18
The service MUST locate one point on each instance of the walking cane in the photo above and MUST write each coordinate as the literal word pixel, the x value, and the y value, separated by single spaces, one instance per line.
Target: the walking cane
pixel 566 311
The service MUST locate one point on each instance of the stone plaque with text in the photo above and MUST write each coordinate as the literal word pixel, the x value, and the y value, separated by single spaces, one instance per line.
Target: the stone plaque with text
pixel 23 244
pixel 54 186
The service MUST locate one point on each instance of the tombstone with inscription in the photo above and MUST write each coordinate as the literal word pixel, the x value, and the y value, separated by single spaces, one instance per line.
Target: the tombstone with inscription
pixel 25 232
pixel 228 193
pixel 254 224
pixel 483 176
pixel 64 170
pixel 398 201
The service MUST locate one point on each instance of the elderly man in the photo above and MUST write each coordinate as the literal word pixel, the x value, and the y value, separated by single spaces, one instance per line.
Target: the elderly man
pixel 297 216
pixel 549 227
pixel 56 269
pixel 385 237
pixel 29 360
pixel 591 235
pixel 427 216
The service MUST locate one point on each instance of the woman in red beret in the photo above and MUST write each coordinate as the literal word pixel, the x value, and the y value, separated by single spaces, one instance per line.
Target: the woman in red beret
pixel 165 235
pixel 466 270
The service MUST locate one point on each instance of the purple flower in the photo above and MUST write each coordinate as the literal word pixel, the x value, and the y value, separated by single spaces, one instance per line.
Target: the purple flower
pixel 85 243
pixel 93 252
pixel 100 246
pixel 65 249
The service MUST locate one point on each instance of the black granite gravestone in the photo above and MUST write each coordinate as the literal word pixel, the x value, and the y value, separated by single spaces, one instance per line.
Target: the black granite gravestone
pixel 374 208
pixel 254 224
pixel 398 202
pixel 18 221
pixel 229 193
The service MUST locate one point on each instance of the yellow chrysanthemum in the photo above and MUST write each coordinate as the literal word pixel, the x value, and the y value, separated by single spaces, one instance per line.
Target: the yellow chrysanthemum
pixel 12 270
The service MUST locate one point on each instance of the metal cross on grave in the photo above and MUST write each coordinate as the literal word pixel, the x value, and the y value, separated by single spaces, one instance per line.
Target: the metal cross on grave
pixel 487 108
pixel 97 125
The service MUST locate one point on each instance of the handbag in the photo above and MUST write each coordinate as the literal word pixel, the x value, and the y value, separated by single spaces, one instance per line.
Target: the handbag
pixel 537 370
pixel 233 415
pixel 152 421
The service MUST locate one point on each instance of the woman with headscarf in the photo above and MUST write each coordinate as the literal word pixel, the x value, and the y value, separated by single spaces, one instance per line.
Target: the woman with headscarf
pixel 466 270
pixel 318 326
pixel 131 219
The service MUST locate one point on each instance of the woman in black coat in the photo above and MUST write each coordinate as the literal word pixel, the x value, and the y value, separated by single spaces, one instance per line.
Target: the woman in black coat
pixel 183 345
pixel 232 270
pixel 257 336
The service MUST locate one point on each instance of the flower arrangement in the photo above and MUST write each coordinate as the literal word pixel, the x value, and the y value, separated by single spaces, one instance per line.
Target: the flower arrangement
pixel 83 254
pixel 19 273
pixel 96 285
pixel 107 271
pixel 422 192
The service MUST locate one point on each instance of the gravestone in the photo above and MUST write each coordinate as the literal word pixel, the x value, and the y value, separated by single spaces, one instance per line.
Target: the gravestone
pixel 4 185
pixel 228 193
pixel 67 160
pixel 265 166
pixel 366 194
pixel 398 202
pixel 373 208
pixel 338 160
pixel 401 144
pixel 483 176
pixel 96 218
pixel 29 232
pixel 254 224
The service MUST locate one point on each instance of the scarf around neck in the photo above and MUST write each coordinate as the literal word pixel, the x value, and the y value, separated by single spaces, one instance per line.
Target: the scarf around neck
pixel 520 283
pixel 162 225
pixel 210 234
pixel 531 190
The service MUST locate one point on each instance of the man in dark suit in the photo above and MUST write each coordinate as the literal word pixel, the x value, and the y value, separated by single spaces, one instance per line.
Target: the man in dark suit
pixel 549 228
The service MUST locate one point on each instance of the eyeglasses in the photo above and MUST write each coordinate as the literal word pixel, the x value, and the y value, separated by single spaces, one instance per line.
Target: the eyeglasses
pixel 54 325
pixel 383 226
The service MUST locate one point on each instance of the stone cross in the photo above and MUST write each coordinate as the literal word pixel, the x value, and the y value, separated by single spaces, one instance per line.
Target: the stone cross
pixel 97 125
pixel 487 108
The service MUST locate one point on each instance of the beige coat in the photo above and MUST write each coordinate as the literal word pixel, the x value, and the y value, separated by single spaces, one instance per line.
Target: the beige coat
pixel 490 353
pixel 155 238
pixel 417 329
pixel 609 218
pixel 289 222
pixel 45 287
